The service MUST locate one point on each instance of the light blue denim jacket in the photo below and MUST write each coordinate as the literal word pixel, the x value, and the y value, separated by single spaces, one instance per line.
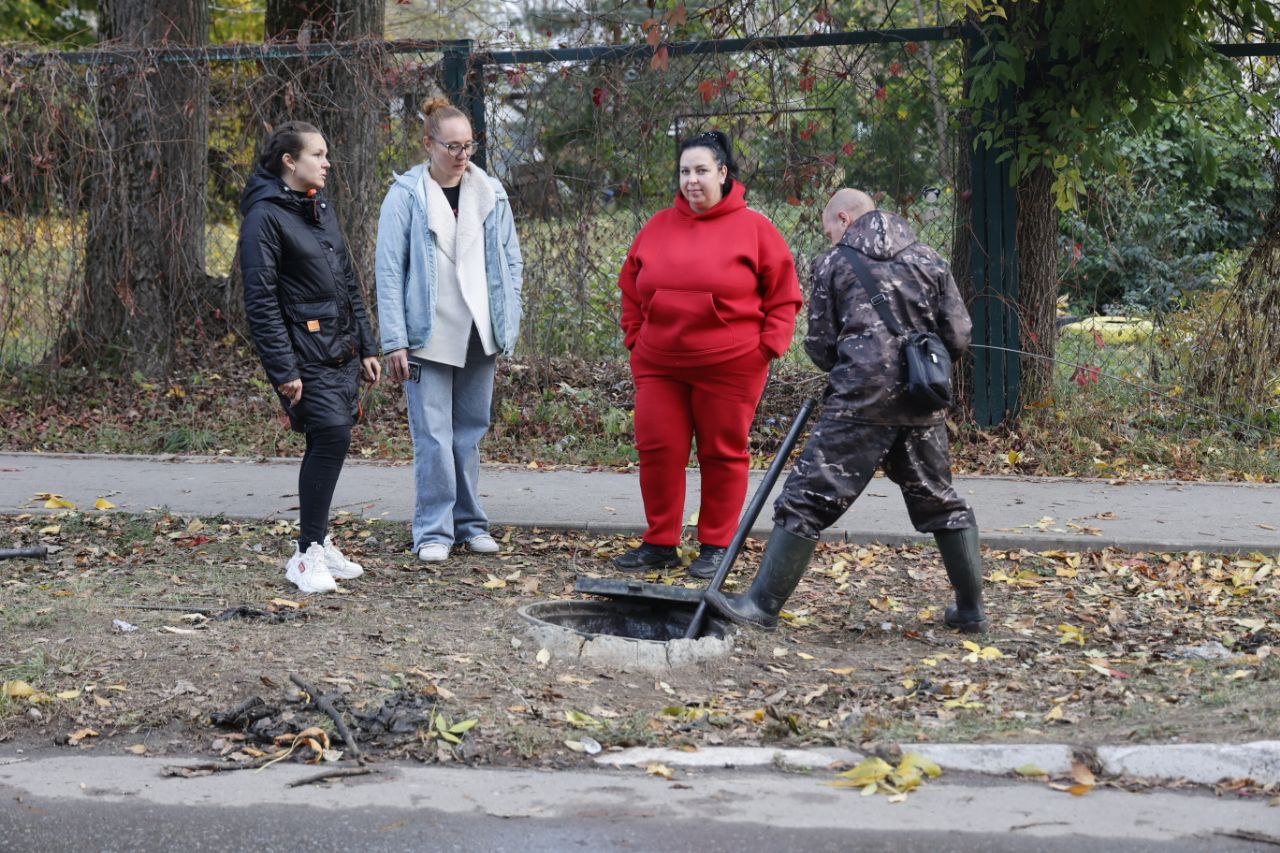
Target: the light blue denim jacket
pixel 406 267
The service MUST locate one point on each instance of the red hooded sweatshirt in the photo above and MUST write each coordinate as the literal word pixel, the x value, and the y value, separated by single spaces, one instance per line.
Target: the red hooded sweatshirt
pixel 703 288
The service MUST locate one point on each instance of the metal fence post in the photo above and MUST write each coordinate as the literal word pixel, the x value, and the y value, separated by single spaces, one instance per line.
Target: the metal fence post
pixel 993 266
pixel 464 84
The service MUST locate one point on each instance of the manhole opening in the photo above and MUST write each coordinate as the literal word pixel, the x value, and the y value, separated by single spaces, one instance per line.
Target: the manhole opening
pixel 658 622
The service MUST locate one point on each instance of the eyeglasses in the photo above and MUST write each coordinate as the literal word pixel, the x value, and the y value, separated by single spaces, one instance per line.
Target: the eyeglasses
pixel 457 149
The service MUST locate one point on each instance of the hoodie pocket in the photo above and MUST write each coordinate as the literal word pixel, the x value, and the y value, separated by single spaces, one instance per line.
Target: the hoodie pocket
pixel 315 331
pixel 685 322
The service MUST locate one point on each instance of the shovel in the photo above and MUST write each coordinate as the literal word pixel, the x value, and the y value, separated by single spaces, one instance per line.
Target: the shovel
pixel 749 517
pixel 668 595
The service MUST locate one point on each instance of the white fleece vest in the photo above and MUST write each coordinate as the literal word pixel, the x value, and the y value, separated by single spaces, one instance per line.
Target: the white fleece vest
pixel 462 289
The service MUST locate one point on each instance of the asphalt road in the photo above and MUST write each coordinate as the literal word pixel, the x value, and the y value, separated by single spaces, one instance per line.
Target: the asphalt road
pixel 1030 512
pixel 62 800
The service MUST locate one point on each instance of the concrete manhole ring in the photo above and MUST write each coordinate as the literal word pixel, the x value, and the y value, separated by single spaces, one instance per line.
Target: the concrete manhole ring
pixel 641 637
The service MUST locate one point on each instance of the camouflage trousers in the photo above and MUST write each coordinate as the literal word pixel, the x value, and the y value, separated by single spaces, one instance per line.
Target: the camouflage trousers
pixel 840 459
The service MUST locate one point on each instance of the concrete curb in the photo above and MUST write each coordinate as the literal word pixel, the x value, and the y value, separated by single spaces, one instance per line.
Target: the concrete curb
pixel 1200 763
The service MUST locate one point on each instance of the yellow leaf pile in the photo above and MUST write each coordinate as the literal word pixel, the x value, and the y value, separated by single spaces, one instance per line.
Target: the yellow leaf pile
pixel 874 775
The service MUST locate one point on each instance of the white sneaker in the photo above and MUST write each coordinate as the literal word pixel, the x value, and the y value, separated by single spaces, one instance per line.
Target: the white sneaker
pixel 339 566
pixel 433 552
pixel 482 544
pixel 309 571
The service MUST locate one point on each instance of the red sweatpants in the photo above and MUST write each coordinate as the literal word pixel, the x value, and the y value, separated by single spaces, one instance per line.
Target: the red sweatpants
pixel 716 404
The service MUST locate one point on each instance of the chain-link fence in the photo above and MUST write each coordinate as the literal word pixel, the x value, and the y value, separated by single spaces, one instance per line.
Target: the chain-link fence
pixel 72 136
pixel 587 150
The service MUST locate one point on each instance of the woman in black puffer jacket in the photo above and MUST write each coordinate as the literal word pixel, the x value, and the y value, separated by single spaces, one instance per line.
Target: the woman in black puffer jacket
pixel 309 323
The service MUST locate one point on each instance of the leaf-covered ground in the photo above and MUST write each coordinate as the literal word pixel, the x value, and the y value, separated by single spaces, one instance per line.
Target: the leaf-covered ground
pixel 1087 647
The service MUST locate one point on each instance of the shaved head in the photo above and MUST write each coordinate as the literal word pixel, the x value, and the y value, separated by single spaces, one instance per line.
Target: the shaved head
pixel 854 202
pixel 844 208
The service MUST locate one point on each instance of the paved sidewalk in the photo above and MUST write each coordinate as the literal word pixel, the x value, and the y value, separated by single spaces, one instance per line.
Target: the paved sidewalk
pixel 1035 513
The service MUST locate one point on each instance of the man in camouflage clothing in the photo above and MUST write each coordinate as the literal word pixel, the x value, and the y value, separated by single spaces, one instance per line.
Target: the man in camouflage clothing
pixel 867 421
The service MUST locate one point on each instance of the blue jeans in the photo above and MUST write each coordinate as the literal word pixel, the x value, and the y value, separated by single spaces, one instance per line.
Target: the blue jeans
pixel 448 415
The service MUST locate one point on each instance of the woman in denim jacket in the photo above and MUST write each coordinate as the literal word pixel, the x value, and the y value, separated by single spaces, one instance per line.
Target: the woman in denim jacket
pixel 449 275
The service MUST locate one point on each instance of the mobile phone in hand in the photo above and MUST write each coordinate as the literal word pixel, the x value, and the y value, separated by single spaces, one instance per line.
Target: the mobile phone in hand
pixel 415 372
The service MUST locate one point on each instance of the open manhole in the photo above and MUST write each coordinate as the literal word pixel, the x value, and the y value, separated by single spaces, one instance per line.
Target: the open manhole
pixel 646 636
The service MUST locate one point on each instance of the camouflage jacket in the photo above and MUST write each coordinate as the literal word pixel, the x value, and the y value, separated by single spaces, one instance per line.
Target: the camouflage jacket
pixel 848 339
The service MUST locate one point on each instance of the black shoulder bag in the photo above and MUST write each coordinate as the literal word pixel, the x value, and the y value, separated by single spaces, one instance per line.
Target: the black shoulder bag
pixel 926 363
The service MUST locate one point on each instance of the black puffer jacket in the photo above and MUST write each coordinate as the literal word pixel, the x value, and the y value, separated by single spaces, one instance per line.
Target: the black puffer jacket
pixel 300 293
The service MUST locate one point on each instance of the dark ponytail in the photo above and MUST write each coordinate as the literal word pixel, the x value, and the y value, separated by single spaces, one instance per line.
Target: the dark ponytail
pixel 285 139
pixel 717 142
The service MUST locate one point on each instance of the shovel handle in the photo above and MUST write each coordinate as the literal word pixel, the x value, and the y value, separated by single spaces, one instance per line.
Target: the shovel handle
pixel 39 552
pixel 753 512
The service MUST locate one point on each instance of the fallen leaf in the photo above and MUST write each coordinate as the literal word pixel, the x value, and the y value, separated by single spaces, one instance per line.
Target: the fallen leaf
pixel 79 735
pixel 68 694
pixel 1030 770
pixel 580 719
pixel 868 771
pixel 543 657
pixel 103 504
pixel 660 770
pixel 54 501
pixel 18 689
pixel 137 748
pixel 1081 773
pixel 814 694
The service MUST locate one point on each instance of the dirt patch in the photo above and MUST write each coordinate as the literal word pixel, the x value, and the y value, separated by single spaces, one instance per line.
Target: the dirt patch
pixel 1088 647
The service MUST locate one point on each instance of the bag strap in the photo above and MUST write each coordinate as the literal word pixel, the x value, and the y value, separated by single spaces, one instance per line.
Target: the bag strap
pixel 879 299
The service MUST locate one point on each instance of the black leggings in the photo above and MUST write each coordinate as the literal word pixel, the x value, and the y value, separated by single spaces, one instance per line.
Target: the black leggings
pixel 321 465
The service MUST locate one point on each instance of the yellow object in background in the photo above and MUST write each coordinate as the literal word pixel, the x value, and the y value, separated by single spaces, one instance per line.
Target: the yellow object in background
pixel 1113 330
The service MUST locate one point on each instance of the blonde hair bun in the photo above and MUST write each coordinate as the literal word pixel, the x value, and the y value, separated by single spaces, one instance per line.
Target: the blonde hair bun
pixel 434 104
pixel 437 110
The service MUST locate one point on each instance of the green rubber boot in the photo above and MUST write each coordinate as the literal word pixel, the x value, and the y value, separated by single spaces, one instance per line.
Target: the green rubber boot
pixel 963 561
pixel 785 559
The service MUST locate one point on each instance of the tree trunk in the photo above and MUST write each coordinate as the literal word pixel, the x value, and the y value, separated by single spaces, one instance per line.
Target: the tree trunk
pixel 343 96
pixel 1037 236
pixel 144 250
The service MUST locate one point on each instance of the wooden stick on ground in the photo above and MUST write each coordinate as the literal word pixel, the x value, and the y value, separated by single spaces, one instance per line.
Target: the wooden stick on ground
pixel 190 770
pixel 325 703
pixel 340 773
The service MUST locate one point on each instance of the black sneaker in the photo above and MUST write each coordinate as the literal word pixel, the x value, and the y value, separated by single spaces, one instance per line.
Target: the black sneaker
pixel 709 557
pixel 647 557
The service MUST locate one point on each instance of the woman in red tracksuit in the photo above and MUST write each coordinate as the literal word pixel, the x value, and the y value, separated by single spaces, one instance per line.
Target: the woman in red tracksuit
pixel 709 297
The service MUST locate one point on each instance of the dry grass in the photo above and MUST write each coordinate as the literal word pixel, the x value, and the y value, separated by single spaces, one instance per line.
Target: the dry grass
pixel 1088 645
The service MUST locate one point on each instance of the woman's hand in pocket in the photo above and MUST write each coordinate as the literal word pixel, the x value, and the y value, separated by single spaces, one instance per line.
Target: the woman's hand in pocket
pixel 292 391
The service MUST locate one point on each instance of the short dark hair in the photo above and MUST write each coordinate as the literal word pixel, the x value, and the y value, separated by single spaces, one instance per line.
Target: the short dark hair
pixel 285 139
pixel 717 142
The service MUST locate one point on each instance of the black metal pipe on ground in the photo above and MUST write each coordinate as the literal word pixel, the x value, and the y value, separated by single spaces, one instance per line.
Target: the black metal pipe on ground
pixel 753 512
pixel 39 552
